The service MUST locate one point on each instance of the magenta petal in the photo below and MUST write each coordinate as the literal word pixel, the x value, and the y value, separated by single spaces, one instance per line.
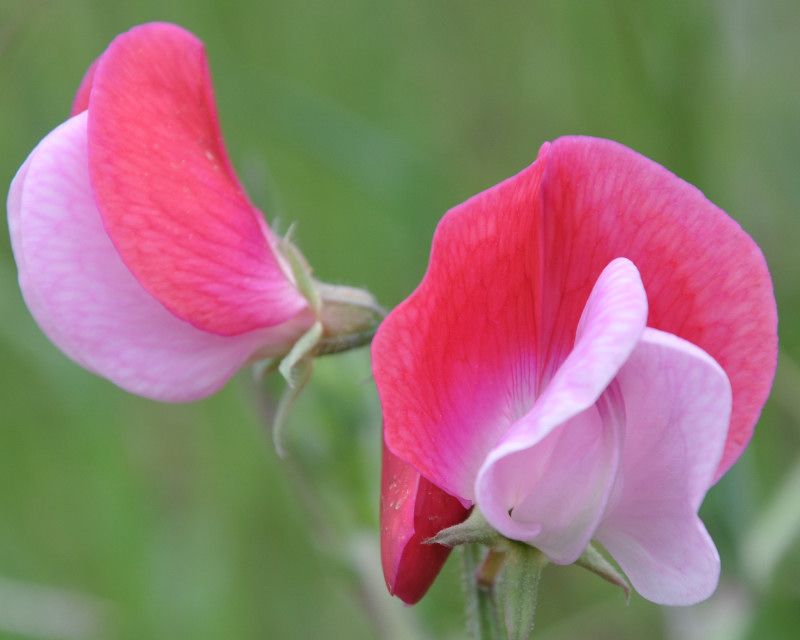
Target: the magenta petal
pixel 678 405
pixel 86 300
pixel 706 280
pixel 167 193
pixel 548 479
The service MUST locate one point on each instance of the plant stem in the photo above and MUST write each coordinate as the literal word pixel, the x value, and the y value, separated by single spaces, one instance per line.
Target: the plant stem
pixel 483 618
pixel 521 588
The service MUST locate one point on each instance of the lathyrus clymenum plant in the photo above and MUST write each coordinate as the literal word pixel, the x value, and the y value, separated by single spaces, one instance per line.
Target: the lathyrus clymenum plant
pixel 586 356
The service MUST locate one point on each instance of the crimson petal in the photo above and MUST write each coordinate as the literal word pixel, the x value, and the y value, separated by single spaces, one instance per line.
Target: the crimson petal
pixel 412 511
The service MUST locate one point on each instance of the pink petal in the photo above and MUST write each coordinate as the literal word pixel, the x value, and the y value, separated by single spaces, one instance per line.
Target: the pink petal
pixel 455 363
pixel 548 479
pixel 678 405
pixel 86 300
pixel 167 193
pixel 412 510
pixel 706 279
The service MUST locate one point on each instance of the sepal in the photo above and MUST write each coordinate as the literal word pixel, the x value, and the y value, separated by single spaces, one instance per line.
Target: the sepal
pixel 507 576
pixel 346 318
pixel 474 530
pixel 596 562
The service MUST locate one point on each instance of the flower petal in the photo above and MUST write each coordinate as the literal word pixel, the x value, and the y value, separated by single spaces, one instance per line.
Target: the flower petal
pixel 86 300
pixel 678 405
pixel 456 362
pixel 412 511
pixel 705 278
pixel 167 193
pixel 548 479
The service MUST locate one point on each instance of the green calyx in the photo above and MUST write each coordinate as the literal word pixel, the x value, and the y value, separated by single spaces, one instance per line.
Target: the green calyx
pixel 505 577
pixel 346 318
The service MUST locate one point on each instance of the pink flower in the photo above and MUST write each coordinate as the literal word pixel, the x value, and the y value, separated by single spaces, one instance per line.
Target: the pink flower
pixel 139 254
pixel 587 354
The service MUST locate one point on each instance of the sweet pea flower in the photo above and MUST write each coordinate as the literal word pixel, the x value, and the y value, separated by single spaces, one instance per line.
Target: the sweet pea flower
pixel 585 357
pixel 139 254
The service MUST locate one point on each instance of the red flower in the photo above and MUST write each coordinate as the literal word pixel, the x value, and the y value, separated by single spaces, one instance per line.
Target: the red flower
pixel 566 417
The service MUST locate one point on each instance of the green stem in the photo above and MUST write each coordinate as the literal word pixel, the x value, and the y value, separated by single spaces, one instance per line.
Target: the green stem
pixel 483 618
pixel 521 588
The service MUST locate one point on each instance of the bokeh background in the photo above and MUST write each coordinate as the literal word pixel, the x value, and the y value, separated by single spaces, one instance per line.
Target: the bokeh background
pixel 363 122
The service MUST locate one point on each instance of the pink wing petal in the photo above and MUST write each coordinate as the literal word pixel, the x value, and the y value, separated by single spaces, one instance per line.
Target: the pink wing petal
pixel 705 278
pixel 86 300
pixel 412 511
pixel 167 193
pixel 455 363
pixel 678 404
pixel 548 479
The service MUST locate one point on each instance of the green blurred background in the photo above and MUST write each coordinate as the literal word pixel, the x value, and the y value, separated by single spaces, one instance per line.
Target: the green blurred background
pixel 364 122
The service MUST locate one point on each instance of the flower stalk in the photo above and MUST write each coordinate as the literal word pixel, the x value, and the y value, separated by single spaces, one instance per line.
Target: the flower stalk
pixel 520 588
pixel 501 589
pixel 483 619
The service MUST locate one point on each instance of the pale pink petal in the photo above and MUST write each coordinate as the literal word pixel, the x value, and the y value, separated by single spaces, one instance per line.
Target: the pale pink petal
pixel 456 363
pixel 167 193
pixel 86 300
pixel 705 278
pixel 677 405
pixel 553 493
pixel 412 511
pixel 548 479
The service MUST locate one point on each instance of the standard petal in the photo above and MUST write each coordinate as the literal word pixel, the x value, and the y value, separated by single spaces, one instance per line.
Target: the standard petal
pixel 548 479
pixel 705 278
pixel 86 300
pixel 456 363
pixel 412 511
pixel 677 405
pixel 167 193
